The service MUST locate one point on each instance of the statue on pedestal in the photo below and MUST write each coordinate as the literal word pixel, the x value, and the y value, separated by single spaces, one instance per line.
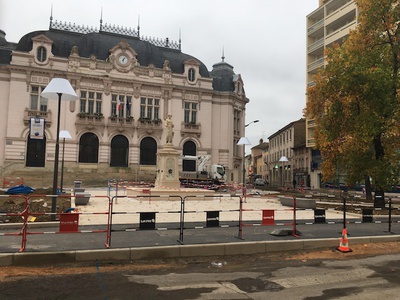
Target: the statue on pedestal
pixel 169 125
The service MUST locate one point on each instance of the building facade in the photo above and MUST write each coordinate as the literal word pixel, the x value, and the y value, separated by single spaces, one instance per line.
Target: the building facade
pixel 127 86
pixel 285 160
pixel 260 160
pixel 330 23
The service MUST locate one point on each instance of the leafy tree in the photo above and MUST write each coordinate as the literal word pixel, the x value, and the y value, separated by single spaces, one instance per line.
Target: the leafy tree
pixel 355 102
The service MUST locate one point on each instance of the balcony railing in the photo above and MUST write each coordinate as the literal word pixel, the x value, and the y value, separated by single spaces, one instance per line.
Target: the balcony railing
pixel 315 26
pixel 118 121
pixel 191 128
pixel 316 45
pixel 90 118
pixel 148 123
pixel 316 64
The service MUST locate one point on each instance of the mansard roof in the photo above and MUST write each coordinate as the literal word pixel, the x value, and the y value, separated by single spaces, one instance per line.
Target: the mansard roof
pixel 99 44
pixel 223 77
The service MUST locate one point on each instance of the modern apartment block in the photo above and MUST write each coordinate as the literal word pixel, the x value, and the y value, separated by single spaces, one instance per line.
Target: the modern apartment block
pixel 330 23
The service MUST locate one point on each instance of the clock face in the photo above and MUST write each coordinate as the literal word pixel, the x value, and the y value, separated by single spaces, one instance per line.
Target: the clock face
pixel 123 59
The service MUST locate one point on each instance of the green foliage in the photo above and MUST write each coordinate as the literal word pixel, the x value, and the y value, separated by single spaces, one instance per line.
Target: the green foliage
pixel 355 102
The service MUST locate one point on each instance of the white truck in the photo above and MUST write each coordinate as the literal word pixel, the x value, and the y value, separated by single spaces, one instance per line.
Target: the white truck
pixel 206 172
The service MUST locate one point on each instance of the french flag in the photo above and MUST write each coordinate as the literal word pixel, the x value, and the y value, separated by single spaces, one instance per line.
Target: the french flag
pixel 119 104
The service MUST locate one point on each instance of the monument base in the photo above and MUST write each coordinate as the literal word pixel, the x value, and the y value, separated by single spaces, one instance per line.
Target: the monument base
pixel 167 168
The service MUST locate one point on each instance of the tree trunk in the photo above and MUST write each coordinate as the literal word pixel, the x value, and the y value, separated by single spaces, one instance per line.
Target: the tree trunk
pixel 368 189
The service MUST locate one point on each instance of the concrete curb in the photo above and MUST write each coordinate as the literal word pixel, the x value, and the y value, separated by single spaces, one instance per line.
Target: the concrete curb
pixel 220 249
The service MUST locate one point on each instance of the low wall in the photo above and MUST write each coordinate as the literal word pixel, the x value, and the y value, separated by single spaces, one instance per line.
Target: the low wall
pixel 300 202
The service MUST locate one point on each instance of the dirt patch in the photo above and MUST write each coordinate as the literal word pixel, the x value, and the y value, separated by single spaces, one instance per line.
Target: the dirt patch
pixel 36 207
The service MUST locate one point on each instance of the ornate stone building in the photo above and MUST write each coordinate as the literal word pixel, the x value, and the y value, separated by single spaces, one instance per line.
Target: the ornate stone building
pixel 127 86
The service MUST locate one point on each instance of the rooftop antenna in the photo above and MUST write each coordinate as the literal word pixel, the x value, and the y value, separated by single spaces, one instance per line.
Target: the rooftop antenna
pixel 51 15
pixel 101 19
pixel 138 26
pixel 223 54
pixel 180 41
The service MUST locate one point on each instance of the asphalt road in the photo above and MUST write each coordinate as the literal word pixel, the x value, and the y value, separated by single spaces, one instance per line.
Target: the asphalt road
pixel 236 277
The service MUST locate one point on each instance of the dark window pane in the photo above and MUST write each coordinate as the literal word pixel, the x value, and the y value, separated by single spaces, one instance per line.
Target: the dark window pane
pixel 148 151
pixel 189 148
pixel 88 148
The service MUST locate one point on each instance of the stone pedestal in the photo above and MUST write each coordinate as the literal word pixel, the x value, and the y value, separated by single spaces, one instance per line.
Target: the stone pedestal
pixel 167 168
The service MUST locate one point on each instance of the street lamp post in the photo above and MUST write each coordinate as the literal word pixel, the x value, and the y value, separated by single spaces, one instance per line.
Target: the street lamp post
pixel 64 134
pixel 255 121
pixel 60 89
pixel 244 141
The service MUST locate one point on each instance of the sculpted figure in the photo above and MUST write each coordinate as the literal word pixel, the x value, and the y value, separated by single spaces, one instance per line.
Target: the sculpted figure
pixel 169 125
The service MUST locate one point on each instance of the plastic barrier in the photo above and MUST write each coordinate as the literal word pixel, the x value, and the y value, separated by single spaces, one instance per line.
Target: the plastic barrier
pixel 268 218
pixel 10 182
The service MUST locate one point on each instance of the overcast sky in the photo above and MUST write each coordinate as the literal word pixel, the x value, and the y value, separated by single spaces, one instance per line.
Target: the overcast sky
pixel 264 40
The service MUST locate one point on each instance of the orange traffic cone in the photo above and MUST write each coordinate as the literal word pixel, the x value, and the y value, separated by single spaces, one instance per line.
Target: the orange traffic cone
pixel 344 243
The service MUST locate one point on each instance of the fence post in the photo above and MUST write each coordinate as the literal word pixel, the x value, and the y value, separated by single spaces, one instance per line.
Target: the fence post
pixel 240 217
pixel 182 220
pixel 390 215
pixel 294 233
pixel 25 214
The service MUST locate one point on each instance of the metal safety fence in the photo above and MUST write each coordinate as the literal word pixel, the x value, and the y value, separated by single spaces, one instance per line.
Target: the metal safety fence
pixel 185 213
pixel 182 210
pixel 68 220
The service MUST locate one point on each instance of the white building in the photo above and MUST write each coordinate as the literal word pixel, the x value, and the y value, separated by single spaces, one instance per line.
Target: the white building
pixel 126 87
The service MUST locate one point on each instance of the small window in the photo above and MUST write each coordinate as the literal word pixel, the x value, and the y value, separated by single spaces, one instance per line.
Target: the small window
pixel 192 75
pixel 41 54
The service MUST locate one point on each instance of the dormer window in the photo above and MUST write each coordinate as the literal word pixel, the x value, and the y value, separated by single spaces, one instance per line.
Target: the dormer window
pixel 192 72
pixel 41 49
pixel 41 54
pixel 192 75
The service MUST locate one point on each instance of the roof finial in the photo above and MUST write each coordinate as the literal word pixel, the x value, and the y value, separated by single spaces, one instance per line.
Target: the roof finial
pixel 51 16
pixel 180 41
pixel 101 19
pixel 138 27
pixel 223 54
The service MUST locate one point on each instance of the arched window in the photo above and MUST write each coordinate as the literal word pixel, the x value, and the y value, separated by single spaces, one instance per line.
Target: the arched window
pixel 41 54
pixel 148 151
pixel 89 148
pixel 189 148
pixel 191 75
pixel 119 151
